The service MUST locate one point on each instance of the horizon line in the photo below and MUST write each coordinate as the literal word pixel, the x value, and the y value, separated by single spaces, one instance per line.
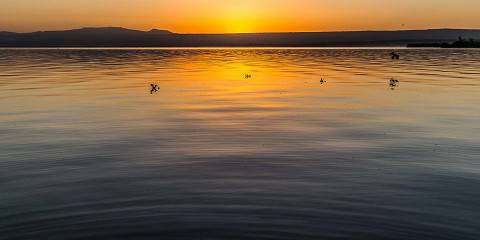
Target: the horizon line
pixel 225 33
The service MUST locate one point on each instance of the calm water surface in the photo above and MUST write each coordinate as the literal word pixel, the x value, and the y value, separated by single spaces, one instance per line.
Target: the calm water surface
pixel 87 152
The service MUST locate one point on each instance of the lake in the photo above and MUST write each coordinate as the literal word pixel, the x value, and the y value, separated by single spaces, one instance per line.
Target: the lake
pixel 88 151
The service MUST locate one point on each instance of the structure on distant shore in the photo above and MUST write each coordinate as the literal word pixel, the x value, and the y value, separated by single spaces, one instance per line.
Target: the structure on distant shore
pixel 460 43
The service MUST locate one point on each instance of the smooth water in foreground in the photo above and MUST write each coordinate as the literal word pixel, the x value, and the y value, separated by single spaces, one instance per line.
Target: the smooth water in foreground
pixel 87 152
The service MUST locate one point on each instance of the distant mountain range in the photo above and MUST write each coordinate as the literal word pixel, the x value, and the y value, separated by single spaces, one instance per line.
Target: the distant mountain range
pixel 122 37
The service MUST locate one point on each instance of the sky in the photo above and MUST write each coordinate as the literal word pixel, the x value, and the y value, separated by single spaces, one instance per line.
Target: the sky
pixel 234 16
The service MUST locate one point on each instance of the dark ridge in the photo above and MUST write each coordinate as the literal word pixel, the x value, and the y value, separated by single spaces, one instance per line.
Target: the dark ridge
pixel 122 37
pixel 159 31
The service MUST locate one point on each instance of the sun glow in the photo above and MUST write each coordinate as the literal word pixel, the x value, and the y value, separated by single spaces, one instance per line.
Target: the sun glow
pixel 235 16
pixel 239 26
pixel 240 19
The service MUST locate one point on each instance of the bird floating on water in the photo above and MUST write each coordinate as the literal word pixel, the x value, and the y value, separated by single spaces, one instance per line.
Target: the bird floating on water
pixel 393 82
pixel 154 89
pixel 322 81
pixel 395 56
pixel 248 76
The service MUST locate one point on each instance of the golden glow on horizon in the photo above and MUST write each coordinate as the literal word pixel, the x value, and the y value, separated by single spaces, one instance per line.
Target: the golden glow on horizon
pixel 231 16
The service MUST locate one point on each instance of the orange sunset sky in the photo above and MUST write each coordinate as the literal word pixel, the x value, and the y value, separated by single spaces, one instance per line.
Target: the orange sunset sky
pixel 232 16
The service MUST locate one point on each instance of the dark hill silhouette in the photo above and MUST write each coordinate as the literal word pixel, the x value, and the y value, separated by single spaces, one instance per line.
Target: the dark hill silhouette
pixel 122 37
pixel 158 31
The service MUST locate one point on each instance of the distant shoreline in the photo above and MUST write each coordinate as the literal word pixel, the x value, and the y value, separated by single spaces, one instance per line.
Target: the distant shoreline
pixel 114 37
pixel 199 48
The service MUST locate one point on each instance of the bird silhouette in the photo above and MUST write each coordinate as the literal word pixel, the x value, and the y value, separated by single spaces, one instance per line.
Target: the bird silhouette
pixel 395 56
pixel 393 82
pixel 154 89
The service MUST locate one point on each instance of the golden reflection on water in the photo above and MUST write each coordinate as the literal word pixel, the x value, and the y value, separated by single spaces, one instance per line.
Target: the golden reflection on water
pixel 206 90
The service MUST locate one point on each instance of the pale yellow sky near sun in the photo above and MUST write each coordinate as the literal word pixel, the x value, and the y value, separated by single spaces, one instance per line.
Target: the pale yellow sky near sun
pixel 217 16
